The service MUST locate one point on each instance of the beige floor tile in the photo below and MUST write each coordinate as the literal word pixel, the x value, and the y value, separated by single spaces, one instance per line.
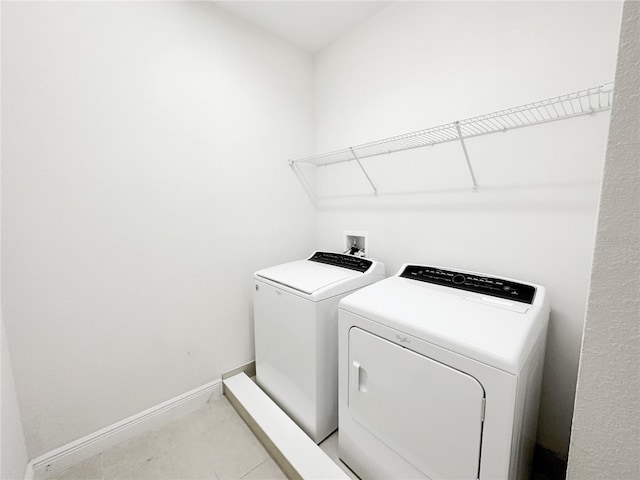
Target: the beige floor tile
pixel 147 470
pixel 168 435
pixel 209 417
pixel 235 449
pixel 90 469
pixel 41 473
pixel 187 461
pixel 267 470
pixel 128 455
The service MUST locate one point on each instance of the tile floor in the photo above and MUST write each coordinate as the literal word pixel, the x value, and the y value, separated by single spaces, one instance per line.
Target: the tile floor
pixel 210 443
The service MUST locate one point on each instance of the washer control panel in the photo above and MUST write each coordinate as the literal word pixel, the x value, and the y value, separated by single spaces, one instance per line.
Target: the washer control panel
pixel 342 260
pixel 471 282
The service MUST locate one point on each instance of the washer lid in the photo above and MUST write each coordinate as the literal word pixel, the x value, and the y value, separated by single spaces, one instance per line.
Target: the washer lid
pixel 308 277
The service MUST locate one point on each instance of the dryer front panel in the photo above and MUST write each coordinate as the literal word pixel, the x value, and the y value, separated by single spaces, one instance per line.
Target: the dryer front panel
pixel 427 412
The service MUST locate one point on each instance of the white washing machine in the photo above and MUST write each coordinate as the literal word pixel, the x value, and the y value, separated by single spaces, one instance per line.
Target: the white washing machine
pixel 296 333
pixel 440 374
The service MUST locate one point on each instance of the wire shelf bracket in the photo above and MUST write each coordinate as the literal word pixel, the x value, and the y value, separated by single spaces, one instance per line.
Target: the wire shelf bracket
pixel 570 105
pixel 355 157
pixel 466 156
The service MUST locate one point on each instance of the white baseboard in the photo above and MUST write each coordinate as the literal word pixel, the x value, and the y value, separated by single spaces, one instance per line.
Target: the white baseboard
pixel 28 474
pixel 249 368
pixel 60 459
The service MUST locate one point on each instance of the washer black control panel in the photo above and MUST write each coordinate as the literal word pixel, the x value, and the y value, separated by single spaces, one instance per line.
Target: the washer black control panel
pixel 471 282
pixel 342 260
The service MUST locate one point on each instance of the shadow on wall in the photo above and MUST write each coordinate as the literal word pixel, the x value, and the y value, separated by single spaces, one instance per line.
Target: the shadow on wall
pixel 539 197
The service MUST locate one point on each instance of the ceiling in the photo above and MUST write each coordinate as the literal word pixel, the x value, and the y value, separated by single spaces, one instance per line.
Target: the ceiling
pixel 312 25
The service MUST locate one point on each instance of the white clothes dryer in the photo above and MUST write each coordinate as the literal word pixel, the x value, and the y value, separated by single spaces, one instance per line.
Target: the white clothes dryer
pixel 439 375
pixel 296 333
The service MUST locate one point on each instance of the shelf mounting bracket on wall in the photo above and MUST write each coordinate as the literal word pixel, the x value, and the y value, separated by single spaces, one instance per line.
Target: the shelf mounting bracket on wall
pixel 305 183
pixel 355 157
pixel 466 156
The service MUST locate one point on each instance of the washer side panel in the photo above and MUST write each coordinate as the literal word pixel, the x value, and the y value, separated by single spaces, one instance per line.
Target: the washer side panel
pixel 286 363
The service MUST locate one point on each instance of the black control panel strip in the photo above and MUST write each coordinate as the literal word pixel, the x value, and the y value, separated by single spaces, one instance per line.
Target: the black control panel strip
pixel 342 260
pixel 471 282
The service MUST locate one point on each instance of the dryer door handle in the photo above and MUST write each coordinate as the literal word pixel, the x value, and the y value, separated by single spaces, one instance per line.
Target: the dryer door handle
pixel 357 376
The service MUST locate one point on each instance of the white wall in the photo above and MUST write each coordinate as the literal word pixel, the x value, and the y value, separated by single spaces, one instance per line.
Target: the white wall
pixel 144 180
pixel 13 450
pixel 420 64
pixel 605 440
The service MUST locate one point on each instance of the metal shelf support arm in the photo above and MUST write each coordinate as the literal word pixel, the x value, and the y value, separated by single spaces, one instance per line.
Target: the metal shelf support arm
pixel 466 156
pixel 355 157
pixel 305 183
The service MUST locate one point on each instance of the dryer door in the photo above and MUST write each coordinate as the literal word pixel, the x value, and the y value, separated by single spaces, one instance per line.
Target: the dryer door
pixel 427 412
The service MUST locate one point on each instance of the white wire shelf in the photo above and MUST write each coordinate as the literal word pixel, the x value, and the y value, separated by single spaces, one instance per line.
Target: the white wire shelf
pixel 570 105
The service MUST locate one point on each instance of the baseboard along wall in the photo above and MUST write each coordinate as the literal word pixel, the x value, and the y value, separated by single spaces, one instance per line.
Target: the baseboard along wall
pixel 58 460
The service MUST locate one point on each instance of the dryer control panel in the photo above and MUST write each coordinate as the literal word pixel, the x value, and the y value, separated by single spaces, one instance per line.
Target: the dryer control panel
pixel 342 260
pixel 471 282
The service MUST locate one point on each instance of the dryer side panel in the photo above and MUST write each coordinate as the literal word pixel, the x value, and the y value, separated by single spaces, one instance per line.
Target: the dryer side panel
pixel 427 412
